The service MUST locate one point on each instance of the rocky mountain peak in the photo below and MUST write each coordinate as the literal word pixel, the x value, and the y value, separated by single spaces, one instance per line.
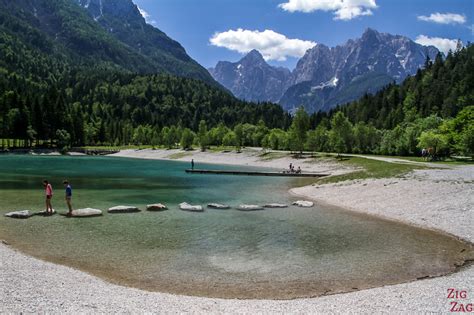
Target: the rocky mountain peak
pixel 370 32
pixel 252 78
pixel 253 59
pixel 124 9
pixel 253 56
pixel 325 77
pixel 123 21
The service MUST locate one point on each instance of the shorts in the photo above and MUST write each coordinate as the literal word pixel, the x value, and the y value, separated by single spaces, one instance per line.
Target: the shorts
pixel 49 196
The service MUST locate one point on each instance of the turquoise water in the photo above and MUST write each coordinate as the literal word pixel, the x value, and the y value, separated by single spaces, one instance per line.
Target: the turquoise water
pixel 275 253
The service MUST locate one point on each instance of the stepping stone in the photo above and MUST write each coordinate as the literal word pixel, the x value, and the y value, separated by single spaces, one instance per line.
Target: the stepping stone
pixel 24 214
pixel 276 205
pixel 303 203
pixel 249 207
pixel 187 207
pixel 156 207
pixel 123 209
pixel 84 213
pixel 218 206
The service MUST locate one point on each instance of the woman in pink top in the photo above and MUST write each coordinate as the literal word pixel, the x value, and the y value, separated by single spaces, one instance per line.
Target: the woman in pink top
pixel 49 195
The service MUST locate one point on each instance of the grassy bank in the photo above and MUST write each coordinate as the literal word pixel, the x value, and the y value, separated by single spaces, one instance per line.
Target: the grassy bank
pixel 369 168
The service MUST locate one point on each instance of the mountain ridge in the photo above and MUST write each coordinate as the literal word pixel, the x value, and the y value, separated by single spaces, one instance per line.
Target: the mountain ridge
pixel 118 37
pixel 329 76
pixel 252 70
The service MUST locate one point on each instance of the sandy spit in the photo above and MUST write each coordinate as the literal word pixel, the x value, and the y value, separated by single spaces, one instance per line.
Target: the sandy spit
pixel 433 198
pixel 248 157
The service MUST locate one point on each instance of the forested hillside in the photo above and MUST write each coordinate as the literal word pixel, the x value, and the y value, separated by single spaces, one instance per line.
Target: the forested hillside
pixel 433 110
pixel 61 31
pixel 55 93
pixel 102 107
pixel 64 78
pixel 443 89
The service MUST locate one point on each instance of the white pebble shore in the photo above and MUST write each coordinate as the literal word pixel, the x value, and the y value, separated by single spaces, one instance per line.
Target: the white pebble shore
pixel 433 198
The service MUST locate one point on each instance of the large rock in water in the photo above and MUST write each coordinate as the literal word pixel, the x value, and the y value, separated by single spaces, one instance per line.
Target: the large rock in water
pixel 276 205
pixel 218 206
pixel 303 203
pixel 249 208
pixel 24 214
pixel 123 209
pixel 187 207
pixel 87 212
pixel 156 207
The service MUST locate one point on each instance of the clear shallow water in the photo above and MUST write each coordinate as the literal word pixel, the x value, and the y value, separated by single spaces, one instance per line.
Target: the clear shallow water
pixel 275 253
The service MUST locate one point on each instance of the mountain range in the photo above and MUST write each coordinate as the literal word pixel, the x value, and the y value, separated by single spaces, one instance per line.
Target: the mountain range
pixel 113 34
pixel 326 77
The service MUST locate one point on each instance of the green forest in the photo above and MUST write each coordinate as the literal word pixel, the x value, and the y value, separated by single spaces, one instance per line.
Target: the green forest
pixel 51 101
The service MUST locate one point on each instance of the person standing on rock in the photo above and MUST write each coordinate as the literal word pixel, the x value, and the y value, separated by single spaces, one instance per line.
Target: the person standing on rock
pixel 48 189
pixel 68 188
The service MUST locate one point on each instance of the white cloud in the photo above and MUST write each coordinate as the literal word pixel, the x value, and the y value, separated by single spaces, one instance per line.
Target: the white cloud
pixel 272 45
pixel 443 44
pixel 443 18
pixel 343 9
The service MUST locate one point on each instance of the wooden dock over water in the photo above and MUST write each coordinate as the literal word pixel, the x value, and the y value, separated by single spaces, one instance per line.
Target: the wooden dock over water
pixel 253 173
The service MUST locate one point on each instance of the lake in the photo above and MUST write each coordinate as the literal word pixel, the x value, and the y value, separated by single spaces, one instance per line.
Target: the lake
pixel 274 253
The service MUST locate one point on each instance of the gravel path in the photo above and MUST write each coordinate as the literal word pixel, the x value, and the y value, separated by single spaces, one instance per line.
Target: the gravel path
pixel 440 199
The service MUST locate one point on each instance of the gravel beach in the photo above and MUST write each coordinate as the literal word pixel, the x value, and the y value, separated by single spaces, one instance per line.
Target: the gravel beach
pixel 441 199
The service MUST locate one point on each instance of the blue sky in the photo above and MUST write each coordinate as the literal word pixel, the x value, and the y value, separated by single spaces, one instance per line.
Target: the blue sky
pixel 213 30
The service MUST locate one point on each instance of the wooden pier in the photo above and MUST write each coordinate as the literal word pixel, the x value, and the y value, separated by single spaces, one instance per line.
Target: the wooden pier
pixel 253 173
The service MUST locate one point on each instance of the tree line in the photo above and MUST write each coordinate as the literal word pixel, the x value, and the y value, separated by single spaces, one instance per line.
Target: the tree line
pixel 100 106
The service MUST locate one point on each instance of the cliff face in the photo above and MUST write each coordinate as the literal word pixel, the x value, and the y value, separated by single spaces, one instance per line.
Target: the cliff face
pixel 252 79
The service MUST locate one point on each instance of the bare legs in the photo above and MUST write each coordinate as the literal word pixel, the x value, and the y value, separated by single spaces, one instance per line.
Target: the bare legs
pixel 49 207
pixel 69 205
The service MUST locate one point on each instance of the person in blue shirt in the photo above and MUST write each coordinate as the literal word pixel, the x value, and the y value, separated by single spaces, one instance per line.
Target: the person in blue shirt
pixel 68 196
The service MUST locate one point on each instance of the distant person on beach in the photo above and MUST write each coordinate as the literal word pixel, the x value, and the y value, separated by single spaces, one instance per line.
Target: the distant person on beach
pixel 424 153
pixel 68 196
pixel 48 189
pixel 299 170
pixel 192 164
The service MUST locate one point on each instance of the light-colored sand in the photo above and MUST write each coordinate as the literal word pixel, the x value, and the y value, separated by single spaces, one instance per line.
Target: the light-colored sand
pixel 441 199
pixel 248 157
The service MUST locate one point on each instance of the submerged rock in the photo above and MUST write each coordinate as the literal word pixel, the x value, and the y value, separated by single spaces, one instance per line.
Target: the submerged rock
pixel 218 206
pixel 187 207
pixel 249 207
pixel 23 214
pixel 276 205
pixel 123 209
pixel 156 207
pixel 87 212
pixel 303 203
